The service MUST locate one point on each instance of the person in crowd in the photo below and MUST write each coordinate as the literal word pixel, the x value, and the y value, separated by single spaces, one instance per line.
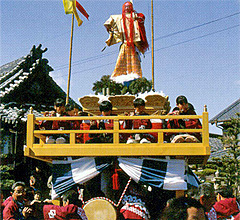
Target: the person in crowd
pixel 59 106
pixel 184 108
pixel 139 109
pixel 184 208
pixel 71 208
pixel 36 179
pixel 226 206
pixel 206 195
pixel 237 217
pixel 73 109
pixel 15 209
pixel 38 196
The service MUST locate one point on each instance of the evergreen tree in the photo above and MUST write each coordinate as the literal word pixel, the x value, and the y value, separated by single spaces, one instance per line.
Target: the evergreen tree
pixel 229 165
pixel 139 85
pixel 106 82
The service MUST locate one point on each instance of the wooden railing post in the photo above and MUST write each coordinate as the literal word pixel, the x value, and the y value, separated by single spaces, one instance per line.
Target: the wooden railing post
pixel 160 137
pixel 205 134
pixel 72 138
pixel 30 130
pixel 116 131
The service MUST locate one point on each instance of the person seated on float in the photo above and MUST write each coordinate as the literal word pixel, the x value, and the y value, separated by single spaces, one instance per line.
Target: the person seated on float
pixel 75 110
pixel 105 108
pixel 184 108
pixel 59 106
pixel 139 109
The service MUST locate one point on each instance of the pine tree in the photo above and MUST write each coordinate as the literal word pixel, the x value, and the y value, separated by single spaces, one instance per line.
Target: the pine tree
pixel 229 165
pixel 106 82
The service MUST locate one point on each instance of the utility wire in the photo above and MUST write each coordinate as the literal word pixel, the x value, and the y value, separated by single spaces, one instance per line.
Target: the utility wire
pixel 162 37
pixel 162 48
pixel 186 41
pixel 197 26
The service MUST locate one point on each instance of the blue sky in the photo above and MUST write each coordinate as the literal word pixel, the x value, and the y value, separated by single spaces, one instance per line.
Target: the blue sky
pixel 197 45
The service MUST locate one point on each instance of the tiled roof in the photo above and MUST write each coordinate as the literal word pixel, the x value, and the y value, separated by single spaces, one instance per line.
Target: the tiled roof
pixel 14 115
pixel 24 81
pixel 13 74
pixel 228 113
pixel 217 149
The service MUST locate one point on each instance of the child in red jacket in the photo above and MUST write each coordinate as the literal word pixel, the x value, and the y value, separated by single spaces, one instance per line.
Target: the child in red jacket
pixel 139 109
pixel 184 108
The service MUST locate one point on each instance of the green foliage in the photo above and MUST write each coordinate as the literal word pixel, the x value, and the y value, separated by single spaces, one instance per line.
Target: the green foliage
pixel 106 82
pixel 205 172
pixel 140 85
pixel 229 165
pixel 7 176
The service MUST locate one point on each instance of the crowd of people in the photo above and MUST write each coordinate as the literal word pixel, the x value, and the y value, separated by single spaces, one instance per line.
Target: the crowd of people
pixel 183 107
pixel 202 203
pixel 32 202
pixel 29 205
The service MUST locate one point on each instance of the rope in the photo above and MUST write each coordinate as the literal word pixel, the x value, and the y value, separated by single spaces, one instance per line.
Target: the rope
pixel 124 191
pixel 109 200
pixel 103 198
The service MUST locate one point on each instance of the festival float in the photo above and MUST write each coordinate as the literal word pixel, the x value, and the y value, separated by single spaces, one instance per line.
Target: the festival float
pixel 117 180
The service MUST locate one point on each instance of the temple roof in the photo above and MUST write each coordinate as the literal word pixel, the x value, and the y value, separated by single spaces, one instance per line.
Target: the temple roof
pixel 227 113
pixel 26 83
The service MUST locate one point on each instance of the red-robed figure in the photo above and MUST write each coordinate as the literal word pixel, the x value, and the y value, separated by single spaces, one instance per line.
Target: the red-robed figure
pixel 127 28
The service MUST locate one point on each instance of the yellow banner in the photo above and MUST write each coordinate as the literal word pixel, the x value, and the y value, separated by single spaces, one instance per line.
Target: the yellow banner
pixel 70 7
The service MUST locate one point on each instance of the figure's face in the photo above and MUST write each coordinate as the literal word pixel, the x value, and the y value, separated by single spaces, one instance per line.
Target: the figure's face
pixel 139 109
pixel 195 214
pixel 19 193
pixel 59 109
pixel 183 107
pixel 37 196
pixel 107 113
pixel 128 8
pixel 207 202
pixel 73 112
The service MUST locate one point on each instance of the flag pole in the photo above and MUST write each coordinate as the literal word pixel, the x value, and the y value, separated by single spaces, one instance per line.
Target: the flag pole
pixel 153 89
pixel 70 60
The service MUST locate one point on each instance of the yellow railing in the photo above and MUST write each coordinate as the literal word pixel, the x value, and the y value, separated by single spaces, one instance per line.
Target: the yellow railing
pixel 37 148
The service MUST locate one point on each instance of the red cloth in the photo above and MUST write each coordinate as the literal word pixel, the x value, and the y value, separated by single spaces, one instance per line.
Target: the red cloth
pixel 77 125
pixel 7 200
pixel 134 211
pixel 56 125
pixel 70 212
pixel 237 217
pixel 128 34
pixel 11 211
pixel 226 208
pixel 185 123
pixel 81 9
pixel 144 43
pixel 156 124
pixel 137 123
